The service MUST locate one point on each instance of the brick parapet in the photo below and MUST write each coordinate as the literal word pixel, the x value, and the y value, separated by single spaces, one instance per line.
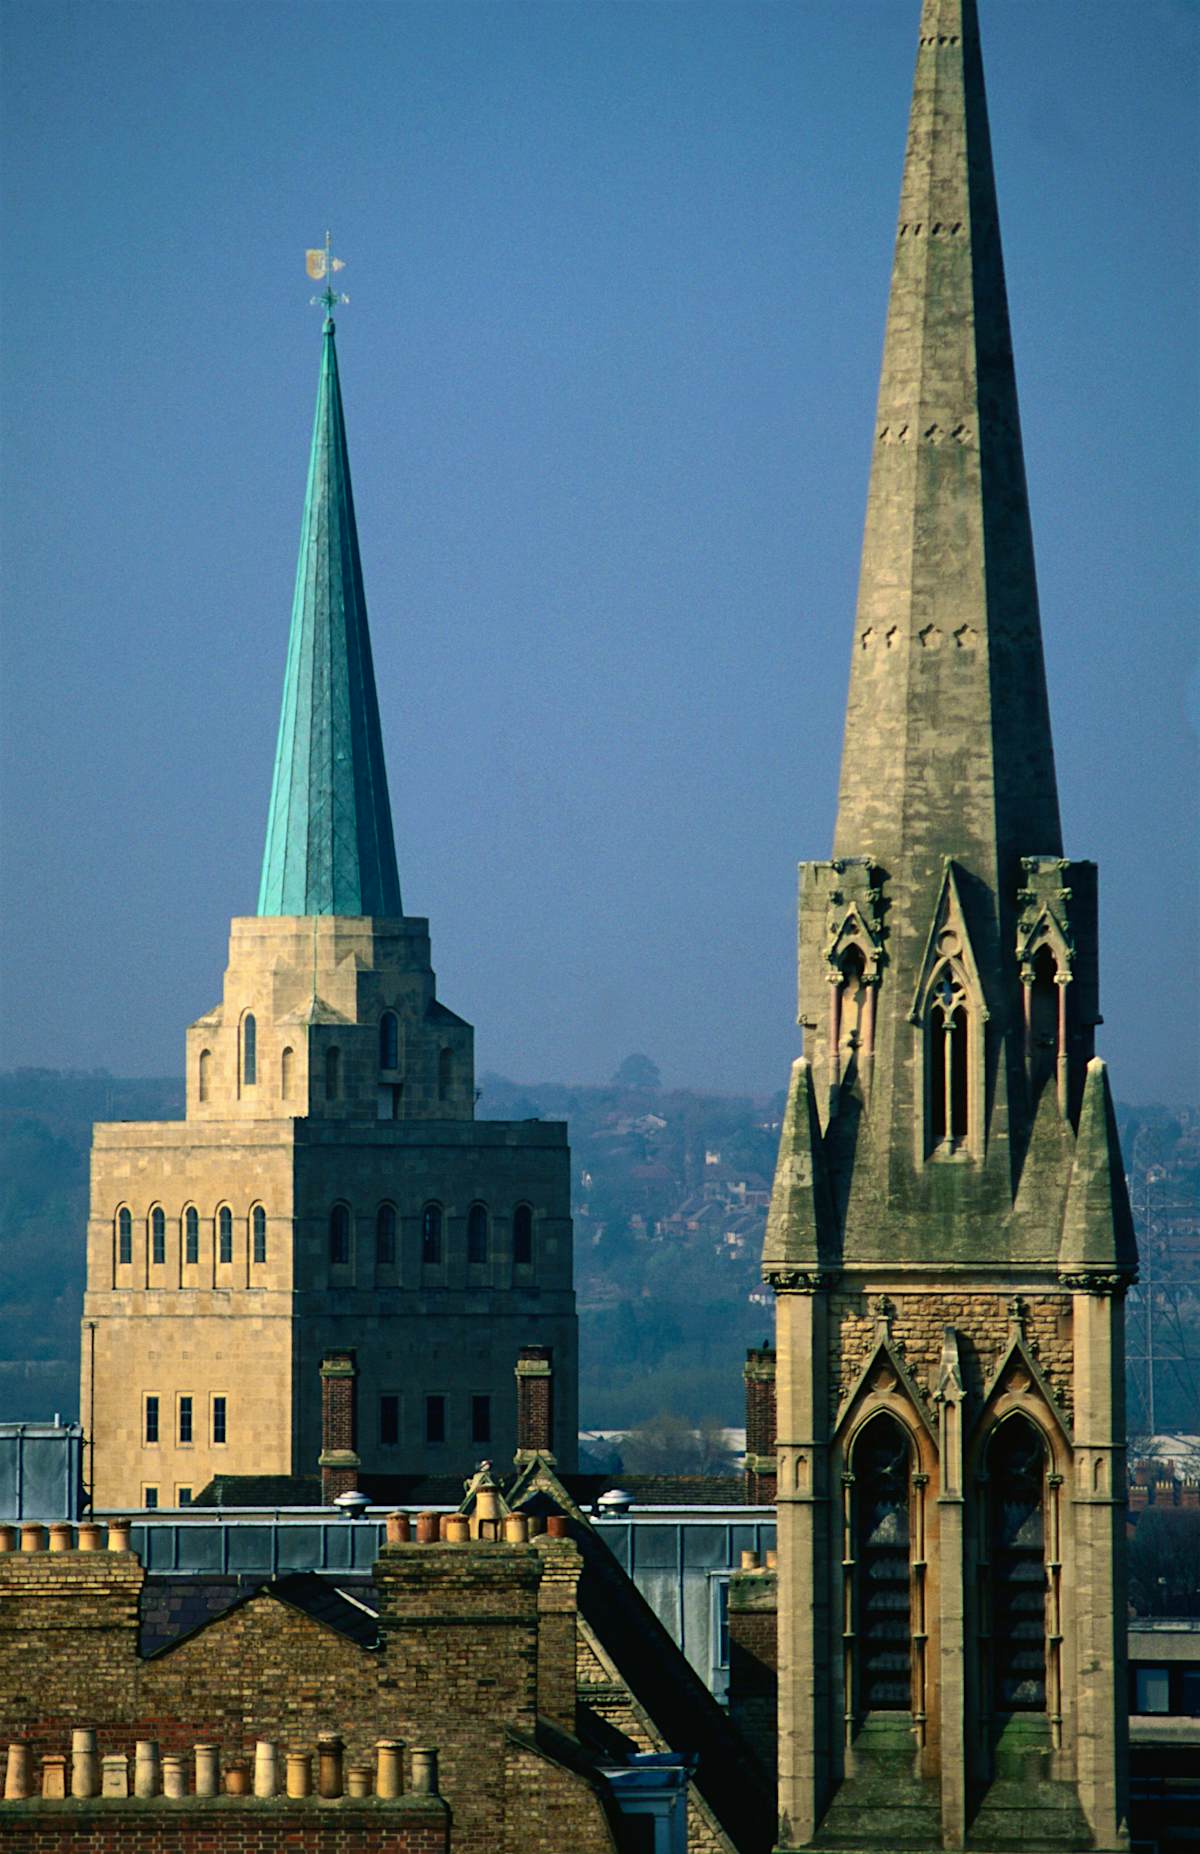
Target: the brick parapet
pixel 198 1825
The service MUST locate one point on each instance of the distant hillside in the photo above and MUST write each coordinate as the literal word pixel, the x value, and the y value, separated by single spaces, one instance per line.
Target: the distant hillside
pixel 669 1193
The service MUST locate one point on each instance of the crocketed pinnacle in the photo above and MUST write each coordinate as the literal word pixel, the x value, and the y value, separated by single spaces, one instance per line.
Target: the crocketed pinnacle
pixel 947 746
pixel 329 848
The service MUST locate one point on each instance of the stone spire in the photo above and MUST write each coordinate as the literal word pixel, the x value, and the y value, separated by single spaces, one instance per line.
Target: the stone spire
pixel 329 847
pixel 947 746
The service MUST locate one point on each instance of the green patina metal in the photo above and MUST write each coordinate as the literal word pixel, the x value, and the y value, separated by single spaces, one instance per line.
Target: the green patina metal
pixel 330 848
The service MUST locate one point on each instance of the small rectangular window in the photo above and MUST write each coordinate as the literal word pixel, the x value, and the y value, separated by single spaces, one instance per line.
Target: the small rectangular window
pixel 150 1498
pixel 481 1419
pixel 1189 1691
pixel 185 1419
pixel 220 1433
pixel 389 1421
pixel 1153 1686
pixel 152 1419
pixel 183 1496
pixel 435 1419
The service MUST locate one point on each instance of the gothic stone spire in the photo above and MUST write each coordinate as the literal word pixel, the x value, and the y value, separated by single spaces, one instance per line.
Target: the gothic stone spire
pixel 329 848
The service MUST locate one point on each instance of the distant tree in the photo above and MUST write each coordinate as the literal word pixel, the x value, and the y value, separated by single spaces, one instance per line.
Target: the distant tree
pixel 637 1071
pixel 669 1444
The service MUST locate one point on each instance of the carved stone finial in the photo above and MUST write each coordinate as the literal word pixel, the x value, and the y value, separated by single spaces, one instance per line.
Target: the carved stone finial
pixel 1018 1311
pixel 885 1312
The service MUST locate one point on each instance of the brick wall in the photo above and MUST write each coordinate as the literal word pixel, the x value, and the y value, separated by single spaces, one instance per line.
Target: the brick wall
pixel 754 1661
pixel 457 1666
pixel 227 1825
pixel 535 1400
pixel 552 1811
pixel 556 1672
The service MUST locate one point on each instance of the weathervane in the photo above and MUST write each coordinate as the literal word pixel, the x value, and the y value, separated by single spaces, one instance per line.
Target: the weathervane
pixel 322 264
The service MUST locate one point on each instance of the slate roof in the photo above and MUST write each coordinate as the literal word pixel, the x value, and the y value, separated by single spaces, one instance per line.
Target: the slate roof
pixel 172 1608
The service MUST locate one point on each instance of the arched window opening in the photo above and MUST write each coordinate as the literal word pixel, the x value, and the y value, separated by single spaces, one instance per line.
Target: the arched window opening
pixel 191 1235
pixel 225 1234
pixel 522 1235
pixel 853 1002
pixel 949 1081
pixel 431 1235
pixel 339 1236
pixel 389 1041
pixel 1016 1470
pixel 124 1235
pixel 477 1234
pixel 1043 1019
pixel 385 1236
pixel 333 1074
pixel 158 1236
pixel 249 1051
pixel 205 1073
pixel 445 1074
pixel 287 1064
pixel 881 1464
pixel 258 1233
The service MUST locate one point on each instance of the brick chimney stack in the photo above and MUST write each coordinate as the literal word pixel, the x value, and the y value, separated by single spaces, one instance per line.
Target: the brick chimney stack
pixel 759 1374
pixel 535 1402
pixel 339 1461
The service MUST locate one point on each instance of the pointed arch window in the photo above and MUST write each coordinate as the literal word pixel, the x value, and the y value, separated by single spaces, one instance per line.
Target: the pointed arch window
pixel 124 1235
pixel 523 1235
pixel 477 1234
pixel 225 1234
pixel 191 1235
pixel 339 1236
pixel 881 1555
pixel 287 1063
pixel 158 1236
pixel 249 1051
pixel 1016 1481
pixel 947 1045
pixel 385 1236
pixel 445 1074
pixel 258 1233
pixel 389 1041
pixel 333 1074
pixel 205 1074
pixel 1044 1006
pixel 431 1235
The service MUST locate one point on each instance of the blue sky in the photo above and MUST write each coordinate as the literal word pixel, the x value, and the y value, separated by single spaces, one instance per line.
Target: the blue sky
pixel 618 277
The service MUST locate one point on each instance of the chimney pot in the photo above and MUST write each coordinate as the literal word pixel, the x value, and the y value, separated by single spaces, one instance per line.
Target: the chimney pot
pixel 358 1780
pixel 145 1767
pixel 85 1765
pixel 114 1778
pixel 174 1776
pixel 33 1537
pixel 299 1773
pixel 749 1561
pixel 8 1538
pixel 16 1774
pixel 424 1770
pixel 61 1536
pixel 427 1528
pixel 516 1529
pixel 556 1525
pixel 399 1530
pixel 266 1768
pixel 237 1779
pixel 389 1768
pixel 330 1750
pixel 207 1769
pixel 54 1775
pixel 119 1532
pixel 457 1529
pixel 91 1536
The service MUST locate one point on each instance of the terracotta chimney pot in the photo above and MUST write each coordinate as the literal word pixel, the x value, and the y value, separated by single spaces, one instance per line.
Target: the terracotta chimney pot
pixel 772 1560
pixel 118 1534
pixel 8 1538
pixel 33 1537
pixel 516 1529
pixel 54 1775
pixel 61 1536
pixel 556 1526
pixel 85 1765
pixel 389 1768
pixel 299 1773
pixel 749 1561
pixel 237 1779
pixel 174 1776
pixel 358 1780
pixel 427 1528
pixel 330 1749
pixel 16 1775
pixel 91 1536
pixel 398 1529
pixel 424 1770
pixel 458 1530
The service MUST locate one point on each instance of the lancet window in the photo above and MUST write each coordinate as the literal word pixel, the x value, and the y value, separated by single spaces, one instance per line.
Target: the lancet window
pixel 258 1233
pixel 339 1235
pixel 389 1041
pixel 158 1236
pixel 205 1073
pixel 225 1234
pixel 191 1234
pixel 1044 1004
pixel 124 1235
pixel 948 1056
pixel 1016 1482
pixel 431 1235
pixel 523 1235
pixel 881 1611
pixel 385 1235
pixel 249 1051
pixel 287 1064
pixel 445 1074
pixel 477 1233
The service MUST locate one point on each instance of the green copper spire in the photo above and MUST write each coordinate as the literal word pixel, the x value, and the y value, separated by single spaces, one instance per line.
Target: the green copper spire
pixel 329 845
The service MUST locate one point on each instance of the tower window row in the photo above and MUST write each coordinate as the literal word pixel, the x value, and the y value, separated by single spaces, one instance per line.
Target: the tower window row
pixel 433 1244
pixel 190 1223
pixel 187 1413
pixel 390 1061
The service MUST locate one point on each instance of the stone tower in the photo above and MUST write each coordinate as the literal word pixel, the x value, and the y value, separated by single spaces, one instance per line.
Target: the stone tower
pixel 949 1236
pixel 330 1222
